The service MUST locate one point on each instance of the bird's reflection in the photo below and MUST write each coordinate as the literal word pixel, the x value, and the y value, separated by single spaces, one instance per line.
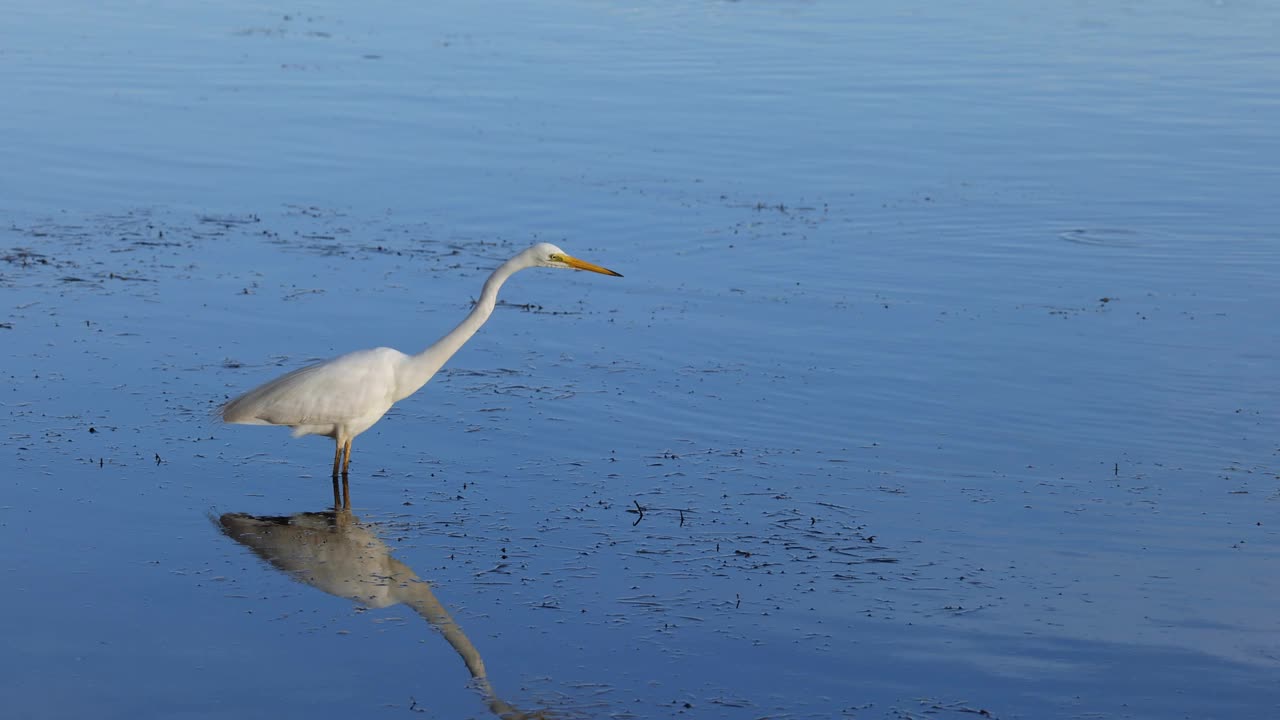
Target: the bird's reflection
pixel 335 552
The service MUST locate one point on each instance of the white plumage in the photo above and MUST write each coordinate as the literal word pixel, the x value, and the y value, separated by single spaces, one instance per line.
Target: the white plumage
pixel 342 397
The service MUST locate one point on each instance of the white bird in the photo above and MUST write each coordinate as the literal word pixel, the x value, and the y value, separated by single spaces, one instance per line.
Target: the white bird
pixel 344 396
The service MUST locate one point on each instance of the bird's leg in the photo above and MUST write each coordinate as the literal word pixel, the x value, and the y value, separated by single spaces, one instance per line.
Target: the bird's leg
pixel 346 487
pixel 337 460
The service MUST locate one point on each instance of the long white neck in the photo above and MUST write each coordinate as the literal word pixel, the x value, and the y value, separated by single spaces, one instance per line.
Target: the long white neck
pixel 418 369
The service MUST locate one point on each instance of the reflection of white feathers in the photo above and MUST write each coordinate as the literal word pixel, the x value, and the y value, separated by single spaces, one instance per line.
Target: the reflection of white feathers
pixel 336 553
pixel 332 552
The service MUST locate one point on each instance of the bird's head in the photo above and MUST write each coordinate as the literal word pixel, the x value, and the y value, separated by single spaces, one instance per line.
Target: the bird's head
pixel 548 255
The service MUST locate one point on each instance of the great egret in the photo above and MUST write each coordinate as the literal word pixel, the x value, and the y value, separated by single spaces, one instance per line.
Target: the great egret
pixel 344 396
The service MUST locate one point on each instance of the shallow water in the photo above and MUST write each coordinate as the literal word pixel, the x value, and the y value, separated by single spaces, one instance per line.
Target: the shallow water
pixel 943 367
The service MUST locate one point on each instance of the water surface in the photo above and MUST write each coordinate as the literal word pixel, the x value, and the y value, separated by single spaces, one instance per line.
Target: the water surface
pixel 943 368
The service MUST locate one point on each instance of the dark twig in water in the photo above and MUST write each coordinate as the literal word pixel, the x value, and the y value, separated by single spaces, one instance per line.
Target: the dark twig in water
pixel 639 512
pixel 535 308
pixel 961 708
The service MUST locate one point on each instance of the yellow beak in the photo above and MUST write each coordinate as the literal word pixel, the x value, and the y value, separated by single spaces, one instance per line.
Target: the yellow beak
pixel 577 264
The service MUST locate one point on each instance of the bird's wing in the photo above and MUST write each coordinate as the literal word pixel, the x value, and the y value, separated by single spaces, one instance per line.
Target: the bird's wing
pixel 245 409
pixel 333 391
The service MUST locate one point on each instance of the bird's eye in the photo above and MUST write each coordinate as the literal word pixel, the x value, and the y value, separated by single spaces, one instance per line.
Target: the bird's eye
pixel 556 257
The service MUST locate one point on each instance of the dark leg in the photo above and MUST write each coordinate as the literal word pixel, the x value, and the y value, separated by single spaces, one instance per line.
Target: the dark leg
pixel 337 461
pixel 346 488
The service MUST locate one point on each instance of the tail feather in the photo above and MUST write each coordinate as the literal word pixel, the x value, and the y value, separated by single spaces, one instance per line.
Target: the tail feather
pixel 250 408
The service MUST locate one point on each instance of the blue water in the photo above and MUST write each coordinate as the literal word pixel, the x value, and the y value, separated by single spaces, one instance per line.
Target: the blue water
pixel 944 365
